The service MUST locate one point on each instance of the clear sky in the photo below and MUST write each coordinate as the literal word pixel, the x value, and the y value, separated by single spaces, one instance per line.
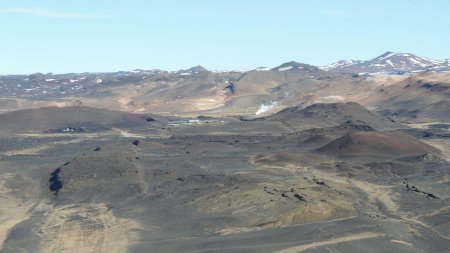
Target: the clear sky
pixel 106 35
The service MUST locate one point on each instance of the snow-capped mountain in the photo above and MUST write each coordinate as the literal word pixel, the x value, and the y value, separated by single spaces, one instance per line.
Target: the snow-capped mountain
pixel 341 64
pixel 389 62
pixel 290 66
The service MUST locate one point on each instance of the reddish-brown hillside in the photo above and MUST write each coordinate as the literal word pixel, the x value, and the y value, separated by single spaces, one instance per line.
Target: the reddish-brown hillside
pixel 379 144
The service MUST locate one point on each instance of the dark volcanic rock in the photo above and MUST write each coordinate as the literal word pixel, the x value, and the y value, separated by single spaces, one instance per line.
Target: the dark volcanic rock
pixel 55 181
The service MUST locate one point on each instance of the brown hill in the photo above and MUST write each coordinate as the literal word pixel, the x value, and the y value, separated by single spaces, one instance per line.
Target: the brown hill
pixel 51 118
pixel 376 144
pixel 333 114
pixel 421 97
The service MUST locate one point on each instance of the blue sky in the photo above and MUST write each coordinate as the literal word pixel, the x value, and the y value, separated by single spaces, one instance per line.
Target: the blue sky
pixel 86 35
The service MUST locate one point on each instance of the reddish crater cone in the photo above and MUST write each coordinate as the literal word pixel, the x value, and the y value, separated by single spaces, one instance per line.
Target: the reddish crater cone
pixel 383 144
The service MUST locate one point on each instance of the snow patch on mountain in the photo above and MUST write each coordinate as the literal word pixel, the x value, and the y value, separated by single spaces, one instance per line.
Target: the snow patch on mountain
pixel 286 68
pixel 340 64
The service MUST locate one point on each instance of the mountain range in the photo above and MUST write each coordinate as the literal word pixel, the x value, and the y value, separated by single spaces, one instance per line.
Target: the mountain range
pixel 389 62
pixel 386 63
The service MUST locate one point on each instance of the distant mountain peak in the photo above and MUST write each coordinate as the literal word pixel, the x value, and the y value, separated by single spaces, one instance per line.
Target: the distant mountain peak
pixel 293 65
pixel 388 62
pixel 193 70
pixel 197 69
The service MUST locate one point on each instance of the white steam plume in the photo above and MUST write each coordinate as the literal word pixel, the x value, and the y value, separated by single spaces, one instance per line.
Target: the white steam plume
pixel 264 108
